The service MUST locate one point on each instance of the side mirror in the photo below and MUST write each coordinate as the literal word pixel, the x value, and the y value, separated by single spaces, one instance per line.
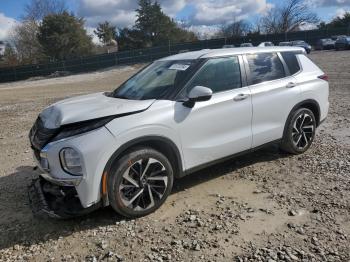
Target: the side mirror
pixel 198 94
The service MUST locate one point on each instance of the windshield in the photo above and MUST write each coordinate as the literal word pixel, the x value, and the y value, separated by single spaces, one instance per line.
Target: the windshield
pixel 299 43
pixel 155 81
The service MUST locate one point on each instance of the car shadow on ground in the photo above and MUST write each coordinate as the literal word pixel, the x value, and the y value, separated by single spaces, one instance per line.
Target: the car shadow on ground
pixel 19 226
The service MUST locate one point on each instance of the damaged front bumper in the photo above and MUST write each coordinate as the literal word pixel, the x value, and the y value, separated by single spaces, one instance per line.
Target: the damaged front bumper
pixel 56 201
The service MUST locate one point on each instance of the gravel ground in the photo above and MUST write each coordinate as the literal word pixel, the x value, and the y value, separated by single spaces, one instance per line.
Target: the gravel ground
pixel 264 206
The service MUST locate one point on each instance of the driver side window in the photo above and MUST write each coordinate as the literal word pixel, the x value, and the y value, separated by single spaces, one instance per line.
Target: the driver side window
pixel 218 74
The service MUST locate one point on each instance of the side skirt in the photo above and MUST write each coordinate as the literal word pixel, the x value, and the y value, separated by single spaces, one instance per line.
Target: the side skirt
pixel 200 167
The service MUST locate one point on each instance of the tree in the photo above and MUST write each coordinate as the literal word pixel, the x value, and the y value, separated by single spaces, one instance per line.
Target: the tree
pixel 10 57
pixel 24 40
pixel 106 32
pixel 288 17
pixel 24 35
pixel 36 10
pixel 63 36
pixel 338 22
pixel 152 27
pixel 235 29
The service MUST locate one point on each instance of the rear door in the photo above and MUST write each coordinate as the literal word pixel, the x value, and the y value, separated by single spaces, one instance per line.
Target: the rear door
pixel 274 93
pixel 220 127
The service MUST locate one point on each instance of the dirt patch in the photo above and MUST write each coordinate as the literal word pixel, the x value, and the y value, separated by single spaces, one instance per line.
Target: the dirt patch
pixel 264 206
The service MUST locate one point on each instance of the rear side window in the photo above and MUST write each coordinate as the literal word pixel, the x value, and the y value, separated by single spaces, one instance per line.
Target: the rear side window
pixel 291 61
pixel 218 74
pixel 265 67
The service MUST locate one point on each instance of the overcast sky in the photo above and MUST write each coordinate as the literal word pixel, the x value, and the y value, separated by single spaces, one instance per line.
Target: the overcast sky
pixel 203 15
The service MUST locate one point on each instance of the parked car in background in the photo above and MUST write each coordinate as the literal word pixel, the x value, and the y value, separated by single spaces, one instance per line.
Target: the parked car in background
pixel 303 44
pixel 335 37
pixel 246 45
pixel 285 44
pixel 325 44
pixel 342 43
pixel 263 44
pixel 228 46
pixel 177 115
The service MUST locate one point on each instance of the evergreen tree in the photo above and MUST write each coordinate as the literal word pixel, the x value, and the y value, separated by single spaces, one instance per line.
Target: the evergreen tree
pixel 152 27
pixel 63 36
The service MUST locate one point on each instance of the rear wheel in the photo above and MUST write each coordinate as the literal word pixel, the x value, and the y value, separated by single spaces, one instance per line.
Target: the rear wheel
pixel 140 182
pixel 299 132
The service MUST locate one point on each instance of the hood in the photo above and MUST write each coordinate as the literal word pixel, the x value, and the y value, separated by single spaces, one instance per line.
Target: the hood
pixel 87 107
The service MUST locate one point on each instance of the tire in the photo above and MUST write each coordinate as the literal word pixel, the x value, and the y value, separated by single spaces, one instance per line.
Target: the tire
pixel 299 131
pixel 139 182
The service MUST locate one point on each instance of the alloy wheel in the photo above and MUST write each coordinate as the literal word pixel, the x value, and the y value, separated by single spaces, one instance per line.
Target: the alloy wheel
pixel 303 131
pixel 143 184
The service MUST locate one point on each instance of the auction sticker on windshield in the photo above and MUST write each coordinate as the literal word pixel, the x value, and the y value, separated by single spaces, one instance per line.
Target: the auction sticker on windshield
pixel 180 67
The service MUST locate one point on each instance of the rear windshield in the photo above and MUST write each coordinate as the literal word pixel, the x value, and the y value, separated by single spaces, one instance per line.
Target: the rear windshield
pixel 155 81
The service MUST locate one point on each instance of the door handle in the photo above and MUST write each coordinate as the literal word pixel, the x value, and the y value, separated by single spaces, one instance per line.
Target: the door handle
pixel 240 97
pixel 291 85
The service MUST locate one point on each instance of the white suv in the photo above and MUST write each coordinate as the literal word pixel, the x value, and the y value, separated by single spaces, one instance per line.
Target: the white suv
pixel 177 115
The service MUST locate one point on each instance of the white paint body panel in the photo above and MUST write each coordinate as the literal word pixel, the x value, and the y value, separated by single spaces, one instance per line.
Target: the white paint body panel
pixel 272 103
pixel 209 131
pixel 216 128
pixel 86 107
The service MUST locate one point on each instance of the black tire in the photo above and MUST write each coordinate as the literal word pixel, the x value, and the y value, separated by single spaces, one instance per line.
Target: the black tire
pixel 132 165
pixel 298 135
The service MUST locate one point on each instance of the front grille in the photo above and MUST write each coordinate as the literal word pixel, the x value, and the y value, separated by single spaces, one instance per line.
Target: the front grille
pixel 39 135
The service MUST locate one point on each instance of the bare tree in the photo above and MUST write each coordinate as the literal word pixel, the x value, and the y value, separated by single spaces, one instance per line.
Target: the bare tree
pixel 36 10
pixel 24 40
pixel 288 16
pixel 235 29
pixel 24 35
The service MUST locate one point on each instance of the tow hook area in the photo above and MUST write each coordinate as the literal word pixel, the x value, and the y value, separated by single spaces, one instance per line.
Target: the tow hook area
pixel 60 202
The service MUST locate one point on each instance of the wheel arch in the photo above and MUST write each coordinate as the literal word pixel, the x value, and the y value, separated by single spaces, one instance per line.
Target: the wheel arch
pixel 310 104
pixel 159 143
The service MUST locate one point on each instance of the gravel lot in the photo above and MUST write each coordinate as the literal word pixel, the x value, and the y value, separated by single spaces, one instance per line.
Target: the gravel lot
pixel 264 206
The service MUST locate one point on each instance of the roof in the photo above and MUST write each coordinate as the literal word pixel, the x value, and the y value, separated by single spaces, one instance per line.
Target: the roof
pixel 206 53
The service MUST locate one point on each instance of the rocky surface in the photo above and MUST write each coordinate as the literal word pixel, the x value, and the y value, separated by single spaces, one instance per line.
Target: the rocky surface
pixel 264 206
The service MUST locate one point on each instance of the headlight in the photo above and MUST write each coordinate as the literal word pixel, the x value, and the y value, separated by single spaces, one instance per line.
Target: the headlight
pixel 71 162
pixel 82 127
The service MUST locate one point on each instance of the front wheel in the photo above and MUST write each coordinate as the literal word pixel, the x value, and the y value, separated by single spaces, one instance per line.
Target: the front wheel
pixel 299 131
pixel 140 182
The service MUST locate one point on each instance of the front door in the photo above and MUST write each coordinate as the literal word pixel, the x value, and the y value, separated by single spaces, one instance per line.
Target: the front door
pixel 220 127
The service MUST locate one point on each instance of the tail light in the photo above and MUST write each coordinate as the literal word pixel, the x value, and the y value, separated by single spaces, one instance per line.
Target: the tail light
pixel 323 77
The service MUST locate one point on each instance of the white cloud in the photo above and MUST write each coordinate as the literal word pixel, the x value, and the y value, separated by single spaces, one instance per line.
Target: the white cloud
pixel 206 12
pixel 329 2
pixel 120 12
pixel 223 11
pixel 340 12
pixel 90 32
pixel 6 23
pixel 204 31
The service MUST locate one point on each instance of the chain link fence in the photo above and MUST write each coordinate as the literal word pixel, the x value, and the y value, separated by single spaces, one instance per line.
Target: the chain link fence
pixel 95 62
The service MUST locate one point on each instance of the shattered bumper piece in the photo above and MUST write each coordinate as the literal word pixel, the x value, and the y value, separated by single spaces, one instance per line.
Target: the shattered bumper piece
pixel 60 202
